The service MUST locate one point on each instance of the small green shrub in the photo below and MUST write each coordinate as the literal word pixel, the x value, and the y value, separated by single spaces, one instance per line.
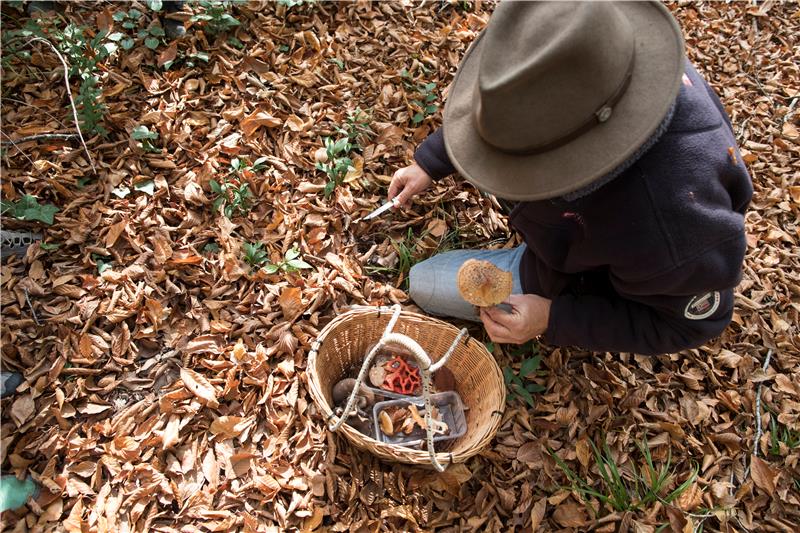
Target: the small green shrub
pixel 422 97
pixel 292 262
pixel 145 137
pixel 215 17
pixel 234 195
pixel 622 490
pixel 254 254
pixel 337 162
pixel 356 128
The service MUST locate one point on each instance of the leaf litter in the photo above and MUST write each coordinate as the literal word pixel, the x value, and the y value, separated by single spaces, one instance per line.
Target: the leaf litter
pixel 165 389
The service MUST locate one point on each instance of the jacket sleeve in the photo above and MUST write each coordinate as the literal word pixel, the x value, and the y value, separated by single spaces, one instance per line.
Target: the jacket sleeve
pixel 677 310
pixel 432 156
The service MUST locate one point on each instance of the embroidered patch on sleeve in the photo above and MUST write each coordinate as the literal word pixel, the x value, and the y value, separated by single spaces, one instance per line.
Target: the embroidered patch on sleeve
pixel 702 306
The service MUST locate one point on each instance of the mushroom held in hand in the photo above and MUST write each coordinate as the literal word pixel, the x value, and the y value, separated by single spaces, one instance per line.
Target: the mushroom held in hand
pixel 483 284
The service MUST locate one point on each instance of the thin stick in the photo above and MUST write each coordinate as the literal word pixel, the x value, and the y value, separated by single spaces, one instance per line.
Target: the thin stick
pixel 758 405
pixel 758 413
pixel 18 148
pixel 42 137
pixel 39 109
pixel 33 311
pixel 69 93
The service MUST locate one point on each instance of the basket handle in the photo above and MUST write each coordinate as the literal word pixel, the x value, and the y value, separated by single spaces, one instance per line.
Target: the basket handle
pixel 426 369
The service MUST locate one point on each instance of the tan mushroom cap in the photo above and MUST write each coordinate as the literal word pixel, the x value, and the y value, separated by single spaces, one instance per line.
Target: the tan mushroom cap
pixel 483 284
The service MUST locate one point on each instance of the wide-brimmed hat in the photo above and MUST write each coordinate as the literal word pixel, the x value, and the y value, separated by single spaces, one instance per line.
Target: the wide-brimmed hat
pixel 552 96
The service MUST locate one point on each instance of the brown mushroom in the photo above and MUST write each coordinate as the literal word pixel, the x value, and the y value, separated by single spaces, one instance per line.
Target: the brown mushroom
pixel 386 423
pixel 342 390
pixel 483 284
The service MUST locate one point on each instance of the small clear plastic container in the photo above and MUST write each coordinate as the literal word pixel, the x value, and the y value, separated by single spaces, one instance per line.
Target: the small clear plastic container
pixel 451 412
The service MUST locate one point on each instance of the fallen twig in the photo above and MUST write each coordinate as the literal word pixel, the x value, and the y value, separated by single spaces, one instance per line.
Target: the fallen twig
pixel 41 137
pixel 69 93
pixel 758 405
pixel 33 311
pixel 10 141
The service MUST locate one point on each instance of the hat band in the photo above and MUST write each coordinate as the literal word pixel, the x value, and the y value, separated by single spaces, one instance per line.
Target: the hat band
pixel 602 114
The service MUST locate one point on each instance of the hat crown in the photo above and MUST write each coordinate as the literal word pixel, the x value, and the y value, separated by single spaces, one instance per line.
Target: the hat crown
pixel 549 71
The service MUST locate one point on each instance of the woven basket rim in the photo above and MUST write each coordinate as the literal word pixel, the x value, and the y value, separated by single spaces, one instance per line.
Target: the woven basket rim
pixel 392 451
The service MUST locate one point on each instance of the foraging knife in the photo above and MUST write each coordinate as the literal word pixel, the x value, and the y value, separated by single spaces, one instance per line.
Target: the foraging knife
pixel 382 209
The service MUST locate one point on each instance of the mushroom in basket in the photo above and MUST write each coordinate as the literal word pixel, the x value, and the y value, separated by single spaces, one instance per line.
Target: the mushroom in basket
pixel 359 418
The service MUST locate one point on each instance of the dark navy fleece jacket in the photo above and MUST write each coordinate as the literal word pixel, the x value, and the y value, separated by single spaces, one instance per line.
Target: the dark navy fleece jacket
pixel 648 262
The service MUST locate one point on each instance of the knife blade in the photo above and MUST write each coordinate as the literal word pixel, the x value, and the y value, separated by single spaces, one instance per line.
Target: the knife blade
pixel 382 209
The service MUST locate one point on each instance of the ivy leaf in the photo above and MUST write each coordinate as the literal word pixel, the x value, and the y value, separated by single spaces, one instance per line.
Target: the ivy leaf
pixel 140 133
pixel 116 36
pixel 127 43
pixel 151 43
pixel 121 191
pixel 298 263
pixel 43 213
pixel 148 187
pixel 157 31
pixel 155 5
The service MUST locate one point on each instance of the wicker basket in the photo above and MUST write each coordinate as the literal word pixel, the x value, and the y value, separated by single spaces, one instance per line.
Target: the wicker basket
pixel 340 350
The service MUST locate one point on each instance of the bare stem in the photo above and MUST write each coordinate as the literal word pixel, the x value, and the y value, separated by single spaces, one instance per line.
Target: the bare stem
pixel 10 141
pixel 69 93
pixel 41 137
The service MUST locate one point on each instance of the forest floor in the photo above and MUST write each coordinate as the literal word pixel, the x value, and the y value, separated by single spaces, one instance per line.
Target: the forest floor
pixel 135 416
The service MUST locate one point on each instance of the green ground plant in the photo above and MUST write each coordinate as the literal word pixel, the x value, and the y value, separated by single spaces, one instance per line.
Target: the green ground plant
pixel 215 16
pixel 292 262
pixel 28 208
pixel 82 50
pixel 337 162
pixel 422 97
pixel 256 256
pixel 520 385
pixel 233 192
pixel 242 164
pixel 356 128
pixel 103 262
pixel 289 4
pixel 781 436
pixel 145 137
pixel 623 490
pixel 234 195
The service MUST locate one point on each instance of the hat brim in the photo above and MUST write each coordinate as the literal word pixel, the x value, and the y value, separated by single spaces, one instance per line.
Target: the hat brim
pixel 654 85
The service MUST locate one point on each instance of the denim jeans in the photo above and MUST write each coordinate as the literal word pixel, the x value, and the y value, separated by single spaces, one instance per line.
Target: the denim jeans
pixel 432 283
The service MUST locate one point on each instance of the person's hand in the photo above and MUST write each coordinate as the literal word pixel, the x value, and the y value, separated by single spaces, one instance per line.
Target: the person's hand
pixel 527 319
pixel 407 182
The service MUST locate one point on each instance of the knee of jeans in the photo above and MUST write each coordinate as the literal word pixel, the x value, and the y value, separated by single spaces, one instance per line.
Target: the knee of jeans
pixel 416 289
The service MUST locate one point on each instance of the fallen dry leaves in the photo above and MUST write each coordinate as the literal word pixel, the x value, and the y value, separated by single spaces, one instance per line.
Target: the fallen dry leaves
pixel 168 393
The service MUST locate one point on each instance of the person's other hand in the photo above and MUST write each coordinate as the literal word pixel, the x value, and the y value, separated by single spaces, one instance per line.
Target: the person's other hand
pixel 407 182
pixel 527 319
